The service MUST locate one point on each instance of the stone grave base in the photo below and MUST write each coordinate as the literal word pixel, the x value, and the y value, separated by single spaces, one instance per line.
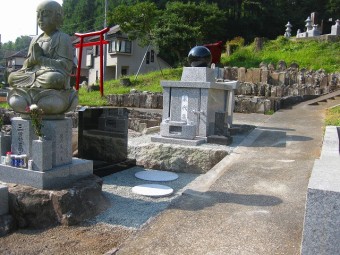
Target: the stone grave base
pixel 57 177
pixel 174 157
pixel 36 208
pixel 161 139
pixel 220 139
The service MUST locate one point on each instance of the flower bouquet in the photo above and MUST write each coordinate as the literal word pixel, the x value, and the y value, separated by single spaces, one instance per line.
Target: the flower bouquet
pixel 35 114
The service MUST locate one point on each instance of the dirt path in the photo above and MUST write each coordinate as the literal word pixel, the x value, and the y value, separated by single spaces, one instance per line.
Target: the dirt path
pixel 95 239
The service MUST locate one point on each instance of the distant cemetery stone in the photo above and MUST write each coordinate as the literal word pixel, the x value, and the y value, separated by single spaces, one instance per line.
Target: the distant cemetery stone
pixel 288 30
pixel 313 29
pixel 335 30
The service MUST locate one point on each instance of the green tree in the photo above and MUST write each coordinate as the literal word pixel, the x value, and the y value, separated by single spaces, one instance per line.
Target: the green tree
pixel 79 16
pixel 184 25
pixel 333 8
pixel 175 30
pixel 22 42
pixel 137 21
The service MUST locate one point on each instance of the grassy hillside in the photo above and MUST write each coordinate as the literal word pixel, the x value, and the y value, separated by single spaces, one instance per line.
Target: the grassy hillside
pixel 309 54
pixel 146 82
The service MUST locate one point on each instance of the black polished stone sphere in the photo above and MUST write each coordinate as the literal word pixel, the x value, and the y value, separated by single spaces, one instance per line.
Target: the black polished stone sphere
pixel 199 56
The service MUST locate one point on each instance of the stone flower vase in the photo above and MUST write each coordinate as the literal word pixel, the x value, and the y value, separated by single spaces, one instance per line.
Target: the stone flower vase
pixel 42 154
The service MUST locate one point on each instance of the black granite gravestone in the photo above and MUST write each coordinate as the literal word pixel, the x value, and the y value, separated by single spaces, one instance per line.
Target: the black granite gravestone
pixel 103 137
pixel 221 134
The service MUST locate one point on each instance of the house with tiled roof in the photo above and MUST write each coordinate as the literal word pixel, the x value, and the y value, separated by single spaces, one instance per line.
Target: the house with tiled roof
pixel 14 61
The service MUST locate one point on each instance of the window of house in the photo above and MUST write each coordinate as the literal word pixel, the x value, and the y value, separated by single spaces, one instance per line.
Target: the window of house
pixel 96 50
pixel 120 45
pixel 89 58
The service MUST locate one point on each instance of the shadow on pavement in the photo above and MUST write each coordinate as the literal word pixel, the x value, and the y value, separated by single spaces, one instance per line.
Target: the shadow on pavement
pixel 194 200
pixel 277 139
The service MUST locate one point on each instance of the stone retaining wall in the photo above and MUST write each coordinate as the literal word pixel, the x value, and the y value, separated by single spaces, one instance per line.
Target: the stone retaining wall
pixel 260 89
pixel 279 83
pixel 268 89
pixel 139 121
pixel 137 100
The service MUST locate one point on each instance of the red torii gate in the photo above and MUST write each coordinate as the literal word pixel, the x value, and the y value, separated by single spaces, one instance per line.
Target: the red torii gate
pixel 81 45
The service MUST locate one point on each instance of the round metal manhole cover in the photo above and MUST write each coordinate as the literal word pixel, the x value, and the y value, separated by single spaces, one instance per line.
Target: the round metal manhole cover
pixel 152 190
pixel 156 175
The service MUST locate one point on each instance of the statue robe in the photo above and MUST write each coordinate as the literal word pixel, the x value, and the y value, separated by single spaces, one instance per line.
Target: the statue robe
pixel 55 67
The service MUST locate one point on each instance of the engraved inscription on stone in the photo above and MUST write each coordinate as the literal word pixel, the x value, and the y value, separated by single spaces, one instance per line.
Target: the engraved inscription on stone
pixel 184 107
pixel 20 132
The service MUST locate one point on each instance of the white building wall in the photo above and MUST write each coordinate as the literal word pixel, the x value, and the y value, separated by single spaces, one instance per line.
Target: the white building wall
pixel 19 61
pixel 94 72
pixel 131 62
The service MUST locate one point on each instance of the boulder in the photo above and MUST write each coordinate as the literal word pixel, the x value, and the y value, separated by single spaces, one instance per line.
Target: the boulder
pixel 38 208
pixel 177 158
pixel 7 224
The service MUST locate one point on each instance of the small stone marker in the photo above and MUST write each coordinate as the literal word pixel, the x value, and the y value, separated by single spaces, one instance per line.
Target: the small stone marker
pixel 152 190
pixel 156 175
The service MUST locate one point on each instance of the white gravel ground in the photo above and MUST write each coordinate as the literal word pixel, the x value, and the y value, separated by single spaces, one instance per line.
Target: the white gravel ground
pixel 131 210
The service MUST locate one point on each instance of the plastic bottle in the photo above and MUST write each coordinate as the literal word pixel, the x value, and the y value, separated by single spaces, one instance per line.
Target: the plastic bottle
pixel 8 158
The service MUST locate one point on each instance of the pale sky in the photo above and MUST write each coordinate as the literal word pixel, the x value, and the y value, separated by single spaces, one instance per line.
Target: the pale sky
pixel 18 17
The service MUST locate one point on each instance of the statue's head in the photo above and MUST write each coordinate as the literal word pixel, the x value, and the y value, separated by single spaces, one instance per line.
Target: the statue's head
pixel 50 15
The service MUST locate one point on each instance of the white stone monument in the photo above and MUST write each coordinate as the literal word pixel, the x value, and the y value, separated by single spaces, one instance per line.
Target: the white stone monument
pixel 314 32
pixel 196 107
pixel 335 30
pixel 288 32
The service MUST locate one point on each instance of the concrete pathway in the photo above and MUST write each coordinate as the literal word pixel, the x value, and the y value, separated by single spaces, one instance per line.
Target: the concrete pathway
pixel 253 201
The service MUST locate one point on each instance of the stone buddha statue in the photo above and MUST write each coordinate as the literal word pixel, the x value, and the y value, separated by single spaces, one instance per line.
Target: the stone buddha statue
pixel 44 78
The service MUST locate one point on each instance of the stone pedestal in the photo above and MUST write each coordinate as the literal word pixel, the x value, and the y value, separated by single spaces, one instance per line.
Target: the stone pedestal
pixel 178 129
pixel 59 132
pixel 22 135
pixel 55 178
pixel 42 155
pixel 53 165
